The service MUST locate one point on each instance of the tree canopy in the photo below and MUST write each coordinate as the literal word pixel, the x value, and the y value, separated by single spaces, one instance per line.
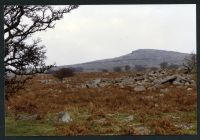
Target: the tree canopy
pixel 20 22
pixel 22 56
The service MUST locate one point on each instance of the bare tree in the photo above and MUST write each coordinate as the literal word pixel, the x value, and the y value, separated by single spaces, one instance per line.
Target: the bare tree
pixel 20 23
pixel 190 63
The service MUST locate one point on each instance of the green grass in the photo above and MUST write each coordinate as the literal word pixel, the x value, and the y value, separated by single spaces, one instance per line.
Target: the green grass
pixel 48 128
pixel 27 128
pixel 191 131
pixel 186 117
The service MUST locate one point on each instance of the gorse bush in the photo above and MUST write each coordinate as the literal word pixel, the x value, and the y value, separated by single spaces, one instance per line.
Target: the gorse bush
pixel 190 63
pixel 104 70
pixel 164 65
pixel 117 69
pixel 139 68
pixel 63 72
pixel 127 67
pixel 173 66
pixel 153 68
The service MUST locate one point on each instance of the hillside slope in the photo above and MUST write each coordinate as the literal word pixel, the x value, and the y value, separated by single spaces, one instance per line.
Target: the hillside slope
pixel 144 57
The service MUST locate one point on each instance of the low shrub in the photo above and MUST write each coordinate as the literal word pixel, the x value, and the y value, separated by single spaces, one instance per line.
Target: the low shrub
pixel 63 72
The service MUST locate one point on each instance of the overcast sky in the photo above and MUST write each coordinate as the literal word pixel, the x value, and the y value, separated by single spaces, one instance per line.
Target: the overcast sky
pixel 106 31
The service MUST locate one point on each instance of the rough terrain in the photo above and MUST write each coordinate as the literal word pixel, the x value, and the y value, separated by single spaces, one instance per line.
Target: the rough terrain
pixel 105 103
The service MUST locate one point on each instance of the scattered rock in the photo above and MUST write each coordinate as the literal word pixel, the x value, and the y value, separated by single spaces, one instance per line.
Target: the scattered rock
pixel 151 88
pixel 189 89
pixel 148 97
pixel 129 118
pixel 100 121
pixel 156 105
pixel 176 83
pixel 139 88
pixel 63 117
pixel 161 95
pixel 96 81
pixel 151 80
pixel 184 126
pixel 169 79
pixel 50 89
pixel 103 84
pixel 47 81
pixel 187 84
pixel 166 90
pixel 139 78
pixel 141 130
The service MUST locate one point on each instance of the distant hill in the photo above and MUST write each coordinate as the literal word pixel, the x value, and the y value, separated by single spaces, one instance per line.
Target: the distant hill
pixel 143 57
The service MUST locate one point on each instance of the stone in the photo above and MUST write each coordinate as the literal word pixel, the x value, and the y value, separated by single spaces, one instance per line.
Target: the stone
pixel 128 81
pixel 50 89
pixel 184 79
pixel 63 117
pixel 92 84
pixel 148 97
pixel 43 81
pixel 151 88
pixel 187 84
pixel 176 83
pixel 156 105
pixel 141 130
pixel 166 90
pixel 83 86
pixel 103 84
pixel 139 88
pixel 46 81
pixel 169 79
pixel 184 126
pixel 129 118
pixel 97 81
pixel 101 121
pixel 151 78
pixel 192 81
pixel 139 78
pixel 157 86
pixel 161 95
pixel 189 89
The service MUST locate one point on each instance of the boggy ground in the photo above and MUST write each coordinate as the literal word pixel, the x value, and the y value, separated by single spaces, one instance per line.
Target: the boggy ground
pixel 109 110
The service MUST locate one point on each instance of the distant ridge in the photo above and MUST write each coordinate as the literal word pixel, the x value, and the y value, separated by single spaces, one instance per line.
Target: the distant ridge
pixel 144 57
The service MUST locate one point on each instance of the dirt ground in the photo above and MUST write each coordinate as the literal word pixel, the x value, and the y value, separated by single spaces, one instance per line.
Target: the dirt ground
pixel 110 110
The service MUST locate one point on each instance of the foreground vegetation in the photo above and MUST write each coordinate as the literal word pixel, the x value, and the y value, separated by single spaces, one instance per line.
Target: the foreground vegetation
pixel 110 110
